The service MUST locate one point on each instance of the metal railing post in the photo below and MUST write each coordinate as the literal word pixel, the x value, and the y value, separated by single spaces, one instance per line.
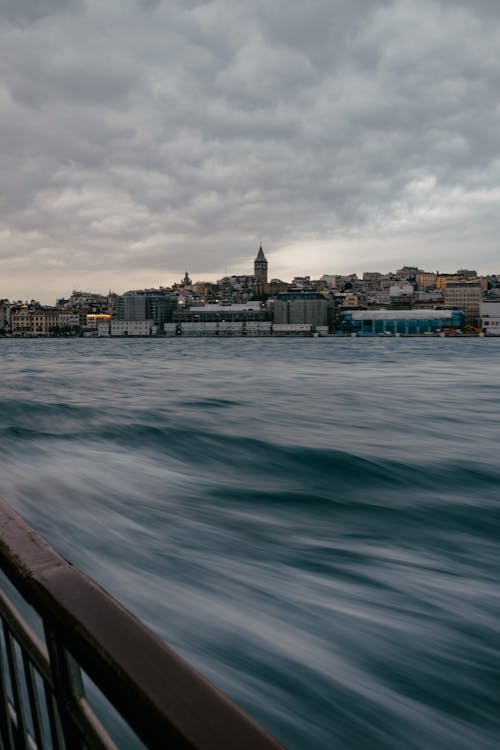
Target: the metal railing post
pixel 20 733
pixel 68 686
pixel 5 718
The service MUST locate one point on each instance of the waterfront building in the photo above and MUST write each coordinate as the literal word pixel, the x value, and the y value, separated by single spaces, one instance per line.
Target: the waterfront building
pixel 130 328
pixel 103 328
pixel 300 307
pixel 160 307
pixel 20 321
pixel 66 321
pixel 465 295
pixel 92 320
pixel 219 328
pixel 221 313
pixel 40 321
pixel 489 313
pixel 292 329
pixel 230 327
pixel 400 321
pixel 258 328
pixel 171 329
pixel 131 306
pixel 195 328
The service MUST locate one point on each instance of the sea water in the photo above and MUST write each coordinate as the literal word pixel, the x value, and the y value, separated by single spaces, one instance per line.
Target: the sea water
pixel 312 523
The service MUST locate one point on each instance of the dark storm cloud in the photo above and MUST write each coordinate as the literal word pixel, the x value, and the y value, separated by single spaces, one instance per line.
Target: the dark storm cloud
pixel 29 11
pixel 145 136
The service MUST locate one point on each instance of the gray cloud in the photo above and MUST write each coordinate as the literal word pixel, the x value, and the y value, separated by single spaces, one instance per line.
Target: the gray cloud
pixel 140 138
pixel 23 12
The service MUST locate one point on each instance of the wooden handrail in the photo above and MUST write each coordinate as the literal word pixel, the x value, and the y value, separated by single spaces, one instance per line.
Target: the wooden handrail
pixel 165 701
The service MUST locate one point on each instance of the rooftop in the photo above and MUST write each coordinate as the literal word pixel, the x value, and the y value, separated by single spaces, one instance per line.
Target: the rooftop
pixel 422 314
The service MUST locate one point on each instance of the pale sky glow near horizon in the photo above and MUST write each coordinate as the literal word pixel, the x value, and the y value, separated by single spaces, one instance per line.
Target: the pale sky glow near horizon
pixel 144 138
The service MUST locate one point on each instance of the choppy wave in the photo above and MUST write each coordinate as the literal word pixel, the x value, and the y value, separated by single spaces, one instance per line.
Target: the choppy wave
pixel 313 524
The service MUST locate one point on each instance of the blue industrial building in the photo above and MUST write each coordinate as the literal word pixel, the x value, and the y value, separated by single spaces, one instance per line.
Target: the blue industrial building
pixel 372 322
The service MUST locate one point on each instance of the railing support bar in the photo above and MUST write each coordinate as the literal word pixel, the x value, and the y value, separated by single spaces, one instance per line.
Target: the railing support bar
pixel 29 676
pixel 20 734
pixel 5 718
pixel 68 686
pixel 54 720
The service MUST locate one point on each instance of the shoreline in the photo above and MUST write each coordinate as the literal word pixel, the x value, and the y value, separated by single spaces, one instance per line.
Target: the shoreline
pixel 337 336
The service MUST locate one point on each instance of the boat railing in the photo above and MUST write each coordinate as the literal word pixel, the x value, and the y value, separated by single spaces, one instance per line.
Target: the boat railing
pixel 85 634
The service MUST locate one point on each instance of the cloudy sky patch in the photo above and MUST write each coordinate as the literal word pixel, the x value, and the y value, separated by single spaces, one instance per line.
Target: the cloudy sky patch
pixel 141 138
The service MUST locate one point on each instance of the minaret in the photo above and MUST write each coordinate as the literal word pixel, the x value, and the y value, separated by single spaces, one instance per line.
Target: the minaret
pixel 260 267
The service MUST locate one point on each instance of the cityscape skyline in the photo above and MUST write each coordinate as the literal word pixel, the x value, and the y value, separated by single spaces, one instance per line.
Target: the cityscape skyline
pixel 104 288
pixel 407 301
pixel 147 137
pixel 213 278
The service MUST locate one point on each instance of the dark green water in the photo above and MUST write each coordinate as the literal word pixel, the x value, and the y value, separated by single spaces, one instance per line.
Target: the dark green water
pixel 314 523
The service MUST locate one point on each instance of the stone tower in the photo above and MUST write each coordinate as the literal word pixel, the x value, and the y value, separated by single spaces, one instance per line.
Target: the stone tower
pixel 260 267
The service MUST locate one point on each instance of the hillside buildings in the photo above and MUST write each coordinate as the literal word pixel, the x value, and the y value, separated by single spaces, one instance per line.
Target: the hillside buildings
pixel 409 301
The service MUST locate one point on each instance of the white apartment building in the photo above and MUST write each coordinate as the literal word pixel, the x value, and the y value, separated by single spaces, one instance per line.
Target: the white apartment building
pixel 489 313
pixel 130 328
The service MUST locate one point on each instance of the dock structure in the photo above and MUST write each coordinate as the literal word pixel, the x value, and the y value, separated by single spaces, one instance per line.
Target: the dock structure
pixel 85 633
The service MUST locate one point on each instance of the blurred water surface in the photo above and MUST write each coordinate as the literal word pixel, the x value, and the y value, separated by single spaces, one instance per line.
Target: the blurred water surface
pixel 314 524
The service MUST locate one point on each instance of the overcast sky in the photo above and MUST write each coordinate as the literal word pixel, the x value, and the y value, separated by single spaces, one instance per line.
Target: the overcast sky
pixel 141 138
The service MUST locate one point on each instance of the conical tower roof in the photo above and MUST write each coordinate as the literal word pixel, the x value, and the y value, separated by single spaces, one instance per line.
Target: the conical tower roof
pixel 260 254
